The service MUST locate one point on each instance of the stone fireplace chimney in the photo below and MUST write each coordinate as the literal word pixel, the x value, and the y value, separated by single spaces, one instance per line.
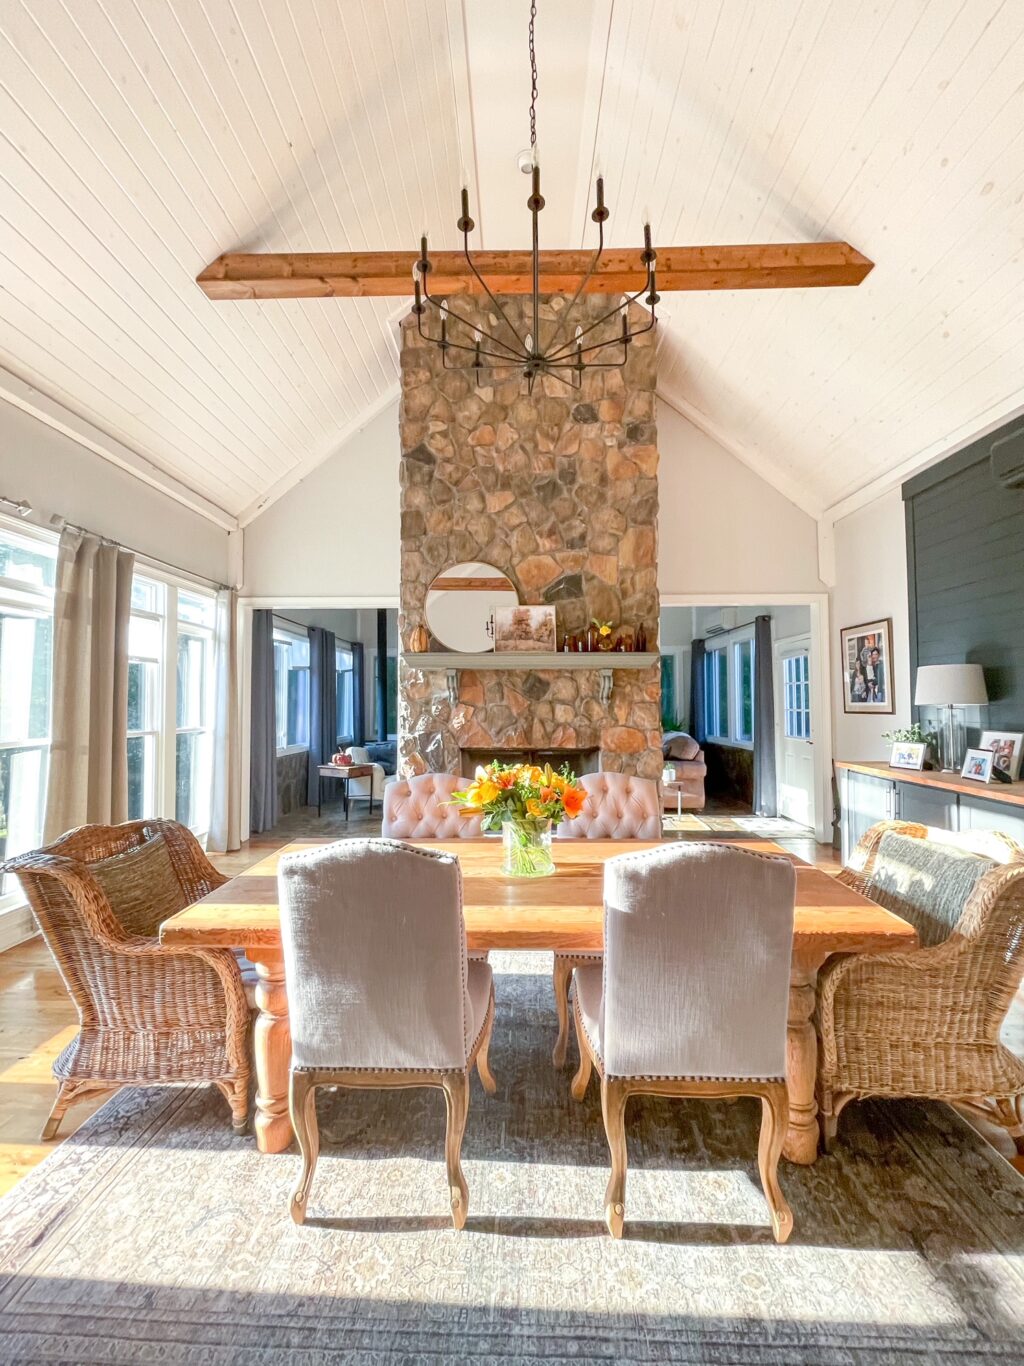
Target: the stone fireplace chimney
pixel 558 490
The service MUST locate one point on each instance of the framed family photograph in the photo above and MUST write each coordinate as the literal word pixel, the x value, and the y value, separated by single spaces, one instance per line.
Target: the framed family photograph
pixel 908 754
pixel 526 630
pixel 867 667
pixel 1006 746
pixel 978 765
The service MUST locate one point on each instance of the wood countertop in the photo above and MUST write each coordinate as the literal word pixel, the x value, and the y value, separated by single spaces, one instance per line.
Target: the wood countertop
pixel 1010 793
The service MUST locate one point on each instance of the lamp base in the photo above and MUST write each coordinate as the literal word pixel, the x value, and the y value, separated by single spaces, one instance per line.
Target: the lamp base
pixel 952 740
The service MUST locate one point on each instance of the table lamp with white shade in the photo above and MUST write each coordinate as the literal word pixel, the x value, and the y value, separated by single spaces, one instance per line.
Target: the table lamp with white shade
pixel 950 686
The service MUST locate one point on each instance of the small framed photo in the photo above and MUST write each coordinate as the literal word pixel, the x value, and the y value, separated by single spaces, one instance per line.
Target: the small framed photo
pixel 1006 745
pixel 978 765
pixel 524 630
pixel 908 754
pixel 867 668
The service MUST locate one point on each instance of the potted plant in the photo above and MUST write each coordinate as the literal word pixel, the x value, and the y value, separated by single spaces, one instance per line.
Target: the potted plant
pixel 913 735
pixel 524 802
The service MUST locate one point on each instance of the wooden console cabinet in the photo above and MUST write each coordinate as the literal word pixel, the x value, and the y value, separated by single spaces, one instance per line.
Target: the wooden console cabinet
pixel 872 792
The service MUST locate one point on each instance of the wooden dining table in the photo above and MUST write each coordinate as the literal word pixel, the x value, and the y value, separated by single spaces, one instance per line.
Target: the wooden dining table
pixel 564 911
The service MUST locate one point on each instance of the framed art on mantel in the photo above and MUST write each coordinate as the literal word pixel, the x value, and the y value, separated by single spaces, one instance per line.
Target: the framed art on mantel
pixel 866 653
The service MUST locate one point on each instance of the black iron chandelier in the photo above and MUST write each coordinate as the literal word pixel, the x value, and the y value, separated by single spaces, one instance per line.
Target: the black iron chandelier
pixel 556 355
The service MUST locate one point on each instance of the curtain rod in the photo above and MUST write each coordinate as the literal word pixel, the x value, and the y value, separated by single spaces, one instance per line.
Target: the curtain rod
pixel 302 626
pixel 59 523
pixel 728 630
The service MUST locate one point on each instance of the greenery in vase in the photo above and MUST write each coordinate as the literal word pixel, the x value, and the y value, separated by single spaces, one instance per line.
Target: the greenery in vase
pixel 521 792
pixel 910 735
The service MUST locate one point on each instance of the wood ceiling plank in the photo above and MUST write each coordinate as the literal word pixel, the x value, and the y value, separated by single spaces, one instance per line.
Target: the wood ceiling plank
pixel 317 275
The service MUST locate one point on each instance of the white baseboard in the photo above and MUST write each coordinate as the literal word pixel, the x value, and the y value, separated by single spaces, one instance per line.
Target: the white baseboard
pixel 16 926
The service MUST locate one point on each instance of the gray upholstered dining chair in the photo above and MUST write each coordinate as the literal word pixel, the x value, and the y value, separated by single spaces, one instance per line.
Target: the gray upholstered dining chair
pixel 380 990
pixel 619 806
pixel 693 995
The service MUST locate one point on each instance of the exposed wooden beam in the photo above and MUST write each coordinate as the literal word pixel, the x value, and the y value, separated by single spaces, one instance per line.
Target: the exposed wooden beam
pixel 379 274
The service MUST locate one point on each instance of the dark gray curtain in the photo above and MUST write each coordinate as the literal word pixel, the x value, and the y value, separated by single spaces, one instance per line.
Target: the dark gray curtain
pixel 698 725
pixel 323 705
pixel 358 693
pixel 765 791
pixel 263 727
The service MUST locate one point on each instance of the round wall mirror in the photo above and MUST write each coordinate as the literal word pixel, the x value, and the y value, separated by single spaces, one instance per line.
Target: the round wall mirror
pixel 461 602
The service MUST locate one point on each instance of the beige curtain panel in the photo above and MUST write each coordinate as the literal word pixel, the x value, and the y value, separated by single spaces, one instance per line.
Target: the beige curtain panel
pixel 88 779
pixel 226 795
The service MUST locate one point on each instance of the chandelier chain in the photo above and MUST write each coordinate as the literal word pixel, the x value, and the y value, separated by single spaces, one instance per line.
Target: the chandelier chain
pixel 533 77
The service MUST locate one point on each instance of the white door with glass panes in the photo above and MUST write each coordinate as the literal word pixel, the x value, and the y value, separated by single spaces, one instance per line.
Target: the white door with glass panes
pixel 794 730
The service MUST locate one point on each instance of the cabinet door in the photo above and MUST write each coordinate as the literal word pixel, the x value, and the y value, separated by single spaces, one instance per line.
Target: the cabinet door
pixel 978 813
pixel 866 801
pixel 926 805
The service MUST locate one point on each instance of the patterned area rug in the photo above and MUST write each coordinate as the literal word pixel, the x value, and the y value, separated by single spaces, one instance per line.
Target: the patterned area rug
pixel 155 1235
pixel 753 827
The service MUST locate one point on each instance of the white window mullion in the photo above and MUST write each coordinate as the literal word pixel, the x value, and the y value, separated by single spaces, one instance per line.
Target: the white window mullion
pixel 166 746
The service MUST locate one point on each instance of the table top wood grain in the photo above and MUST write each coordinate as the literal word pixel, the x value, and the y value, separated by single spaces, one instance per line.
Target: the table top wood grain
pixel 564 911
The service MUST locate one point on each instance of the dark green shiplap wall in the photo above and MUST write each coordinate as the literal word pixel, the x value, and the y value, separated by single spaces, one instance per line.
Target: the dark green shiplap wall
pixel 965 562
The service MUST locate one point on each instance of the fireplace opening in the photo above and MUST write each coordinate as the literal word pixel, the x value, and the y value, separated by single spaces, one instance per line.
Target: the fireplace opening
pixel 579 760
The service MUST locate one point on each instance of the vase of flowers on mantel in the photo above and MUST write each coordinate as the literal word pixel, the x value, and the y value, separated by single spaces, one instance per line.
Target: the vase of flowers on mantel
pixel 525 802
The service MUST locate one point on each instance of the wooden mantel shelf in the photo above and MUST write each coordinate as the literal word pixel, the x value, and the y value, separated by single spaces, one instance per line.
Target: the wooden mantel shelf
pixel 599 660
pixel 1011 793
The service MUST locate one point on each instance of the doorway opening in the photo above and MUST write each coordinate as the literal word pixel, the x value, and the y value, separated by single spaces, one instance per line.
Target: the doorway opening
pixel 711 676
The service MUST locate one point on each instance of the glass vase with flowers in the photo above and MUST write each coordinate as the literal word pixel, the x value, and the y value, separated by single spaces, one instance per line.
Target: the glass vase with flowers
pixel 524 802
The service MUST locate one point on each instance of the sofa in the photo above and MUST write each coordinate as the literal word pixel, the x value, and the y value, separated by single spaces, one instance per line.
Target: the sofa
pixel 682 752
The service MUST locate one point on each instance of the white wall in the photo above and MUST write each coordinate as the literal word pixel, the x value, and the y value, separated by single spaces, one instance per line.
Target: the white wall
pixel 57 475
pixel 871 583
pixel 722 528
pixel 336 534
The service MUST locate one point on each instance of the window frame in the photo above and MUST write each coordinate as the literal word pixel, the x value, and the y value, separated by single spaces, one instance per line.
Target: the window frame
pixel 166 705
pixel 37 602
pixel 726 646
pixel 283 634
pixel 344 740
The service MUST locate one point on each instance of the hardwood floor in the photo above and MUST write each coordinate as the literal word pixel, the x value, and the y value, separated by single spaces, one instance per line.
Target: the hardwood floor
pixel 37 1018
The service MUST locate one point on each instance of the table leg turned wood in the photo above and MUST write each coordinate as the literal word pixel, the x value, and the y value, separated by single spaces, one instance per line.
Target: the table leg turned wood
pixel 273 1049
pixel 801 1143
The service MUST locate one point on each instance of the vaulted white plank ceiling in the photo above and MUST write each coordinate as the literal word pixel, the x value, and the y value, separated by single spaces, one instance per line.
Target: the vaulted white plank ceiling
pixel 139 140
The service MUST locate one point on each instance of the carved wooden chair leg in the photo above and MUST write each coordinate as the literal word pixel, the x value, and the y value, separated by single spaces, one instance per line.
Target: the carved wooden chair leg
pixel 561 978
pixel 456 1095
pixel 302 1105
pixel 774 1123
pixel 613 1106
pixel 483 1066
pixel 581 1080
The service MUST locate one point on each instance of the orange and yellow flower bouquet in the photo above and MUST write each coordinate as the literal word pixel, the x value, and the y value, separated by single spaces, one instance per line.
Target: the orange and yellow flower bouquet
pixel 523 801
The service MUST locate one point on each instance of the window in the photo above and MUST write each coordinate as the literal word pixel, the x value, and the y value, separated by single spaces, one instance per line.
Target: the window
pixel 796 697
pixel 171 682
pixel 146 632
pixel 716 695
pixel 390 691
pixel 28 560
pixel 743 674
pixel 291 689
pixel 195 683
pixel 729 690
pixel 346 694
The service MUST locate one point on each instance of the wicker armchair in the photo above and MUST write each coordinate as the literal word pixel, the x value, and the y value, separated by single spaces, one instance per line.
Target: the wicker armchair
pixel 150 1014
pixel 925 1022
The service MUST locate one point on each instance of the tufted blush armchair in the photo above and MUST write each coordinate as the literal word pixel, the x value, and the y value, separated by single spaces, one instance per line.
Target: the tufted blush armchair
pixel 420 809
pixel 618 807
